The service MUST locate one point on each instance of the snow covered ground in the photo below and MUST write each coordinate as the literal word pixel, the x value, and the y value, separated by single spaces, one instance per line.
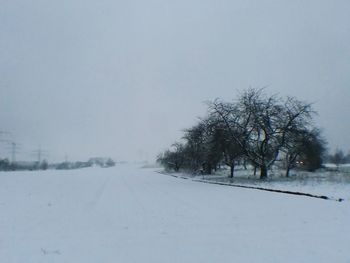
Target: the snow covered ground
pixel 334 184
pixel 127 214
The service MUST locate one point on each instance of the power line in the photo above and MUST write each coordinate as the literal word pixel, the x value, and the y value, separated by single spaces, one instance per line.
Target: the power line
pixel 39 153
pixel 4 133
pixel 4 139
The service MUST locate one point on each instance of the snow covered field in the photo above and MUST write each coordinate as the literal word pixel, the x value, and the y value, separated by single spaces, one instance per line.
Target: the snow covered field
pixel 127 214
pixel 333 184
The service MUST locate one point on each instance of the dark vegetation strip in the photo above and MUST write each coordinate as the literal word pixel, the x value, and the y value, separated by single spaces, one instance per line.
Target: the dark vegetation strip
pixel 260 188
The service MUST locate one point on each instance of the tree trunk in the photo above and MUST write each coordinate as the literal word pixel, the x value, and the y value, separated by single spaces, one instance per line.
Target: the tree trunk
pixel 287 170
pixel 232 170
pixel 290 163
pixel 209 168
pixel 263 172
pixel 245 164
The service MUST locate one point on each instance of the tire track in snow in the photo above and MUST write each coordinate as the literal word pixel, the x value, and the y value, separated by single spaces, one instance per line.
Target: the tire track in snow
pixel 98 194
pixel 133 195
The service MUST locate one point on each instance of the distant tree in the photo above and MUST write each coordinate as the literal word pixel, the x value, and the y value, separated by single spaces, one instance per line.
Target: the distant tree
pixel 338 157
pixel 44 165
pixel 294 147
pixel 226 148
pixel 63 166
pixel 206 145
pixel 174 158
pixel 314 150
pixel 5 165
pixel 110 162
pixel 196 148
pixel 347 158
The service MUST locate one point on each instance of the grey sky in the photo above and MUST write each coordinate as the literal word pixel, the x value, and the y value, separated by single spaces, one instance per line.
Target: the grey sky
pixel 123 78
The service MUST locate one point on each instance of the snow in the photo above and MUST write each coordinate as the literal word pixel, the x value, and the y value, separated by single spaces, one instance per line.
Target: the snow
pixel 335 185
pixel 128 214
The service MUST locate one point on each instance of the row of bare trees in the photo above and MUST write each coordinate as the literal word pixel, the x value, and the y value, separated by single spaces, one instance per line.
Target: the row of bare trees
pixel 257 129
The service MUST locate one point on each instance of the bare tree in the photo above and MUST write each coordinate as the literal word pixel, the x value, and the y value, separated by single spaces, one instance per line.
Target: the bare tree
pixel 314 150
pixel 296 147
pixel 222 146
pixel 196 147
pixel 255 128
pixel 174 158
pixel 259 124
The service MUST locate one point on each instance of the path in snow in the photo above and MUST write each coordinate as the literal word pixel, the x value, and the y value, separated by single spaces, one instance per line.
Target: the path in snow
pixel 127 214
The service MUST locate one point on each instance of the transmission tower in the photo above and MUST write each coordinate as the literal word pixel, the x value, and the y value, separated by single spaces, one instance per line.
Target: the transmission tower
pixel 14 150
pixel 39 153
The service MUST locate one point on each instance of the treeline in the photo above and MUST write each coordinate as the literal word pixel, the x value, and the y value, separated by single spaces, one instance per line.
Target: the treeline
pixel 6 165
pixel 97 161
pixel 256 129
pixel 338 157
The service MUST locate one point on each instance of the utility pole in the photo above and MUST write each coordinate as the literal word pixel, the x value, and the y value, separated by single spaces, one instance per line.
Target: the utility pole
pixel 4 140
pixel 14 151
pixel 39 154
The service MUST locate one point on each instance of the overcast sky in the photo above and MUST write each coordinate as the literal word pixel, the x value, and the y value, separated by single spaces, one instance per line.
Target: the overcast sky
pixel 124 78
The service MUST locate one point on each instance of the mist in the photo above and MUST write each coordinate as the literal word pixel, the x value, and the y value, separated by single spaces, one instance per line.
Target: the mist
pixel 123 79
